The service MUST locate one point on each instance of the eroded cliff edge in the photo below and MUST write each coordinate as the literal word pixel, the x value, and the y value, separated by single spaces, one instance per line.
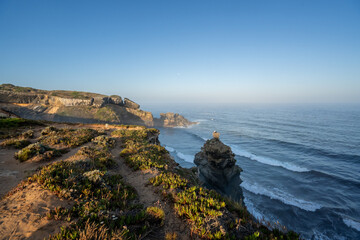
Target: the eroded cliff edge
pixel 83 107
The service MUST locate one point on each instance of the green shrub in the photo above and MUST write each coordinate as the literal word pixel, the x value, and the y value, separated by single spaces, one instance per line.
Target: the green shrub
pixel 43 152
pixel 171 236
pixel 169 180
pixel 18 122
pixel 48 130
pixel 156 214
pixel 68 137
pixel 27 134
pixel 15 142
pixel 100 156
pixel 104 141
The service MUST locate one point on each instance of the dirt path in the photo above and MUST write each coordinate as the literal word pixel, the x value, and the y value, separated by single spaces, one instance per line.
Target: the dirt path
pixel 12 171
pixel 149 197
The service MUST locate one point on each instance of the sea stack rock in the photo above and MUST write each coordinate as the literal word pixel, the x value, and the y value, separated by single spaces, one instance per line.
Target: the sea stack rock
pixel 217 169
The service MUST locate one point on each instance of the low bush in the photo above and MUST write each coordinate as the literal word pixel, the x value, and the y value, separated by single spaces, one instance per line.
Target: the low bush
pixel 20 141
pixel 100 156
pixel 15 142
pixel 42 152
pixel 169 180
pixel 199 206
pixel 156 214
pixel 104 141
pixel 6 123
pixel 67 137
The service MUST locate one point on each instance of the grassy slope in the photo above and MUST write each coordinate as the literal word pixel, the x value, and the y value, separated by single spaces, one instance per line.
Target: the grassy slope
pixel 105 206
pixel 58 93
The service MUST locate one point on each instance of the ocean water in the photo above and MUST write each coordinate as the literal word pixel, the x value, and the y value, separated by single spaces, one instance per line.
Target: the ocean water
pixel 301 164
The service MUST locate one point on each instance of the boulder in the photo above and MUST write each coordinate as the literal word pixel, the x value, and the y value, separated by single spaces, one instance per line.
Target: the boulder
pixel 217 169
pixel 115 99
pixel 130 104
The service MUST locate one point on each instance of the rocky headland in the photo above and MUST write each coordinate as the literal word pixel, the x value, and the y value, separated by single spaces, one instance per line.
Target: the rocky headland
pixel 217 169
pixel 80 107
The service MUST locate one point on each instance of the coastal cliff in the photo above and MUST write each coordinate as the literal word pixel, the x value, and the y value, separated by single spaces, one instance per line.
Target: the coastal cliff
pixel 83 107
pixel 97 181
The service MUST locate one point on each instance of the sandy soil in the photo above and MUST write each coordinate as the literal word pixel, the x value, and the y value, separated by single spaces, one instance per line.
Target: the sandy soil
pixel 12 171
pixel 23 214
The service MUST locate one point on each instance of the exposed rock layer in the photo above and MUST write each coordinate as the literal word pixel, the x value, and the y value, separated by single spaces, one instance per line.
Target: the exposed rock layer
pixel 73 106
pixel 217 169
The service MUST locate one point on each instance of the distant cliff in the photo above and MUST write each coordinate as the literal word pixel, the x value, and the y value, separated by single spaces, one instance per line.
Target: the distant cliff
pixel 85 107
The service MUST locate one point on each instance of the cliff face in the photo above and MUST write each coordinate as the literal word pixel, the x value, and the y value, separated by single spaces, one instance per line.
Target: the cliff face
pixel 73 106
pixel 217 169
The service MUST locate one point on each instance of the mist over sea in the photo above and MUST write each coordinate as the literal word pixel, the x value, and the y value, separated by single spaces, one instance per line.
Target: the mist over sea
pixel 301 164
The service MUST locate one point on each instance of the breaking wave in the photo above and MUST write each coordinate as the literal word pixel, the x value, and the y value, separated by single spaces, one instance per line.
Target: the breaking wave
pixel 284 197
pixel 268 161
pixel 351 223
pixel 170 149
pixel 185 157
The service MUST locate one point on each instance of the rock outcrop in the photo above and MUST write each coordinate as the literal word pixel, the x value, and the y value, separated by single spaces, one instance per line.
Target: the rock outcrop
pixel 85 107
pixel 130 104
pixel 217 169
pixel 172 120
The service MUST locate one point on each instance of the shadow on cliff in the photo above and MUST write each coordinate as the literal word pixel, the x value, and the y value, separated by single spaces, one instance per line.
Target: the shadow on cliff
pixel 123 115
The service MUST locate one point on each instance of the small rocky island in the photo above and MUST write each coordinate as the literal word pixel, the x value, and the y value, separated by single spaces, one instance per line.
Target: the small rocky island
pixel 217 169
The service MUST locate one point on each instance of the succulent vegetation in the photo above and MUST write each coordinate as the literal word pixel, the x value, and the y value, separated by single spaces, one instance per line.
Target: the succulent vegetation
pixel 15 142
pixel 171 236
pixel 20 141
pixel 105 206
pixel 67 137
pixel 104 141
pixel 138 152
pixel 38 151
pixel 156 214
pixel 169 180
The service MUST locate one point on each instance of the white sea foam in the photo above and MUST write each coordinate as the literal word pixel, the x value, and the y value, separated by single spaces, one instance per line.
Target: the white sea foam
pixel 170 149
pixel 268 161
pixel 255 212
pixel 321 236
pixel 201 120
pixel 284 197
pixel 187 158
pixel 355 224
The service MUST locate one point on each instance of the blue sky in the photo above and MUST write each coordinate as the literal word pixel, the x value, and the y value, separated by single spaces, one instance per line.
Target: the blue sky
pixel 185 51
